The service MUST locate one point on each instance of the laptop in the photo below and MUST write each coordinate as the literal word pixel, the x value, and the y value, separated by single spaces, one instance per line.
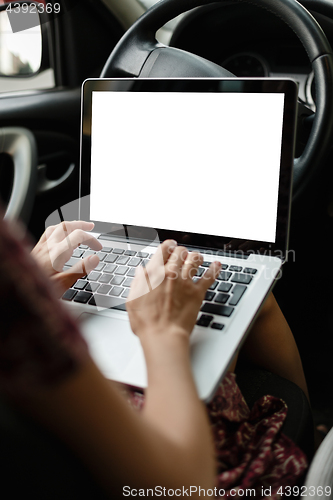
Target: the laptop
pixel 206 162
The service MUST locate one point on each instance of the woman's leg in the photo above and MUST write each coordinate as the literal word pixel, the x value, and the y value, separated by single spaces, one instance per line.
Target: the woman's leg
pixel 271 345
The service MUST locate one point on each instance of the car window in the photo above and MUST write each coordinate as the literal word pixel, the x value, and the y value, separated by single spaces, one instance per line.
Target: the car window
pixel 129 10
pixel 21 52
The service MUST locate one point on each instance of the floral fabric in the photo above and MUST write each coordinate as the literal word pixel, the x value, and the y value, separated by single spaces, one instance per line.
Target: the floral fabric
pixel 251 451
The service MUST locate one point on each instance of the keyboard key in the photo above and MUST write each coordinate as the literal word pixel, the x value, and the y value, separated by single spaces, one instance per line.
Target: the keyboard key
pixel 118 251
pixel 92 287
pixel 209 296
pixel 101 255
pixel 84 247
pixel 213 286
pixel 117 280
pixel 224 287
pixel 110 268
pixel 122 260
pixel 224 275
pixel 106 249
pixel 245 279
pixel 222 298
pixel 249 270
pixel 224 267
pixel 93 276
pixel 144 262
pixel 87 253
pixel 69 294
pixel 238 292
pixel 131 253
pixel 236 269
pixel 110 259
pixel 200 271
pixel 206 264
pixel 105 278
pixel 142 255
pixel 107 302
pixel 82 297
pixel 128 281
pixel 218 309
pixel 126 293
pixel 72 261
pixel 204 320
pixel 80 285
pixel 121 270
pixel 104 289
pixel 217 326
pixel 116 291
pixel 99 267
pixel 131 272
pixel 78 253
pixel 134 262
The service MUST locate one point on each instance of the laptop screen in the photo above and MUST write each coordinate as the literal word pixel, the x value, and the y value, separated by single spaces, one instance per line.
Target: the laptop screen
pixel 207 162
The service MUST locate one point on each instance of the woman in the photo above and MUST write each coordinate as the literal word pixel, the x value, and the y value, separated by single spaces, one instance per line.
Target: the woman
pixel 46 370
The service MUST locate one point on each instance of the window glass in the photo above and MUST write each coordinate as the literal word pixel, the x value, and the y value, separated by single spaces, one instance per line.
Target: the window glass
pixel 21 54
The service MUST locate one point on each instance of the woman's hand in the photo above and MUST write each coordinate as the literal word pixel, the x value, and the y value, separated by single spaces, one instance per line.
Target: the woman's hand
pixel 55 248
pixel 163 296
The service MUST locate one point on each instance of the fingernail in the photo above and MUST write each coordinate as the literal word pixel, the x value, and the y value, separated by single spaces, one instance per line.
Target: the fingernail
pixel 172 245
pixel 91 257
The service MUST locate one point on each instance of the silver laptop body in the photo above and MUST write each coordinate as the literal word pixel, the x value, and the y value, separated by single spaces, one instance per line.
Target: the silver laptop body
pixel 207 162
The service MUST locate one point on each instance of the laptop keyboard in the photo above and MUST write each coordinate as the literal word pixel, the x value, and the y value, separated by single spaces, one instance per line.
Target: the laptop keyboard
pixel 108 285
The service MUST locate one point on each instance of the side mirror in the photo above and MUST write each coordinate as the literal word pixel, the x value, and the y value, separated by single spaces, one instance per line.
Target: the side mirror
pixel 21 38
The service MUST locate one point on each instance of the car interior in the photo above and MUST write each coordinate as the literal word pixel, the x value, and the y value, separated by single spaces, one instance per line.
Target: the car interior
pixel 40 106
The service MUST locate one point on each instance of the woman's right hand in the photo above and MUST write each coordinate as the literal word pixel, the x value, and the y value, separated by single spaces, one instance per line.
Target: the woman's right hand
pixel 163 297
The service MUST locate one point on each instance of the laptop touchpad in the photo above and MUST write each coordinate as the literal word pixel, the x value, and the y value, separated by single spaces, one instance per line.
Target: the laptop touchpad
pixel 114 348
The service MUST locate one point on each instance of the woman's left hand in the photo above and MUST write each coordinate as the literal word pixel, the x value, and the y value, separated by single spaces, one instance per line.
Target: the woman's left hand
pixel 56 247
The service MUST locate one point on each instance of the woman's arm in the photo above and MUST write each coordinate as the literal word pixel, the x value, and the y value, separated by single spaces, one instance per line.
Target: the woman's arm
pixel 163 319
pixel 169 444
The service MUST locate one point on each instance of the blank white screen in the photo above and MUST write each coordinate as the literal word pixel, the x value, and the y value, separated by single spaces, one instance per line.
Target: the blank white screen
pixel 204 163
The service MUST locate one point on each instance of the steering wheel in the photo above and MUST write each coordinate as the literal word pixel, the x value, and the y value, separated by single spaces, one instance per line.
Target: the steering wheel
pixel 138 54
pixel 20 145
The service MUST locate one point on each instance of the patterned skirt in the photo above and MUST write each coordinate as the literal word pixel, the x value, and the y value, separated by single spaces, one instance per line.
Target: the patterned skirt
pixel 254 458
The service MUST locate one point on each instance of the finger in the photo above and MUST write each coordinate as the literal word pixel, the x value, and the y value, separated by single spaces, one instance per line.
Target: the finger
pixel 190 268
pixel 47 233
pixel 210 276
pixel 60 253
pixel 81 268
pixel 66 279
pixel 155 267
pixel 163 252
pixel 72 241
pixel 176 261
pixel 61 231
pixel 141 284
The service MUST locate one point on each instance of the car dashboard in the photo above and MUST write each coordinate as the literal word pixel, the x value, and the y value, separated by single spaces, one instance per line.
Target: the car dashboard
pixel 250 42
